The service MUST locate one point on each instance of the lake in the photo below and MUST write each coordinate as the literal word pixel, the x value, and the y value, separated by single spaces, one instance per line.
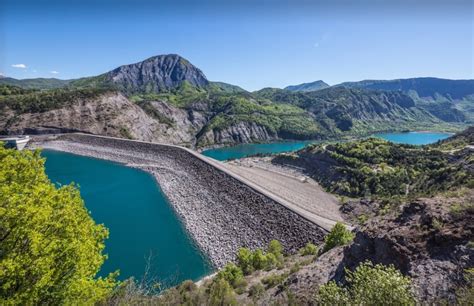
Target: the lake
pixel 414 138
pixel 143 226
pixel 244 150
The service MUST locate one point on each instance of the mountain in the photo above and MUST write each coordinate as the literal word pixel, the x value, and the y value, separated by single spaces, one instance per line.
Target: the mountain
pixel 167 99
pixel 448 100
pixel 39 83
pixel 353 111
pixel 313 86
pixel 424 87
pixel 153 75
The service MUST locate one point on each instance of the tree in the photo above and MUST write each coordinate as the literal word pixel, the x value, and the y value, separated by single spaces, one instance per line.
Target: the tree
pixel 244 260
pixel 339 235
pixel 221 293
pixel 50 247
pixel 231 273
pixel 369 285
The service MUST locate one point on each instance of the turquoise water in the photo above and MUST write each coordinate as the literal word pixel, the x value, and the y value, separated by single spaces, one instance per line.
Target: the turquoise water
pixel 244 150
pixel 413 138
pixel 141 223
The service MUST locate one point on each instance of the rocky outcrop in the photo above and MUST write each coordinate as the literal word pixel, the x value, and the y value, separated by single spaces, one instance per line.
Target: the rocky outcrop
pixel 111 114
pixel 241 132
pixel 156 74
pixel 428 241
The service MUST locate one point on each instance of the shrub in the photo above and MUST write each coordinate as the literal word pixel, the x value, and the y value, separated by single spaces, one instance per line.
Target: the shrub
pixel 244 260
pixel 221 293
pixel 259 260
pixel 369 285
pixel 231 273
pixel 270 261
pixel 465 294
pixel 339 235
pixel 256 291
pixel 274 279
pixel 275 248
pixel 309 249
pixel 331 294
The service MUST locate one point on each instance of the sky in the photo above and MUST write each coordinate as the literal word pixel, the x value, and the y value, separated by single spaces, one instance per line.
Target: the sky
pixel 252 44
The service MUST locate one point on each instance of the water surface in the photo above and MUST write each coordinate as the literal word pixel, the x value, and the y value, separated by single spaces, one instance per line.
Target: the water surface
pixel 414 138
pixel 244 150
pixel 143 226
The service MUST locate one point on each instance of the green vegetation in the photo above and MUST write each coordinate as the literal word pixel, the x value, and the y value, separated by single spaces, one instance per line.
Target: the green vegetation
pixel 338 235
pixel 51 249
pixel 34 101
pixel 465 294
pixel 309 249
pixel 369 285
pixel 375 167
pixel 249 261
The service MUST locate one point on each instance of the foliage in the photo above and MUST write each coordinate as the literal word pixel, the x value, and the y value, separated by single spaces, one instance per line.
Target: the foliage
pixel 221 293
pixel 375 167
pixel 338 235
pixel 250 261
pixel 51 249
pixel 33 101
pixel 274 279
pixel 465 294
pixel 369 285
pixel 245 260
pixel 232 274
pixel 256 291
pixel 309 249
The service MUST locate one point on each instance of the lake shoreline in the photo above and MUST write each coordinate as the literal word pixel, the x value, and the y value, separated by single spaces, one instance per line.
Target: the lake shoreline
pixel 220 213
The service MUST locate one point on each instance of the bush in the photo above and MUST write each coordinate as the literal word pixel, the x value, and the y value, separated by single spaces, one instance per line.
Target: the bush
pixel 232 274
pixel 244 260
pixel 221 293
pixel 275 248
pixel 465 294
pixel 339 235
pixel 50 247
pixel 309 249
pixel 256 291
pixel 274 279
pixel 369 285
pixel 259 260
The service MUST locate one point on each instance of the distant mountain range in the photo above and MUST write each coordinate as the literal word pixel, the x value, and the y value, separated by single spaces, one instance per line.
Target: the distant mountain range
pixel 305 87
pixel 167 99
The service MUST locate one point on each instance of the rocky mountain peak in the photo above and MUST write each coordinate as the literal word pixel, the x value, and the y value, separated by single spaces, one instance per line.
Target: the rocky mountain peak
pixel 157 73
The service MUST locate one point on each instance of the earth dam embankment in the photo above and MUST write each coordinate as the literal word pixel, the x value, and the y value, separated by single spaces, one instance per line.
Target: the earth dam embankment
pixel 220 212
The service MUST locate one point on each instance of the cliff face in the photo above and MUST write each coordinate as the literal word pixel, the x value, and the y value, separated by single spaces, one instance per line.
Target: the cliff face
pixel 110 114
pixel 241 132
pixel 156 74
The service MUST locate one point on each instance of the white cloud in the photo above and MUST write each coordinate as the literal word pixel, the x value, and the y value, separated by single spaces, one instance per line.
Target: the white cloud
pixel 54 72
pixel 22 66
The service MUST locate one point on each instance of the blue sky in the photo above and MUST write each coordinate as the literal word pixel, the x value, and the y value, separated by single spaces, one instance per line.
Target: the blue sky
pixel 252 44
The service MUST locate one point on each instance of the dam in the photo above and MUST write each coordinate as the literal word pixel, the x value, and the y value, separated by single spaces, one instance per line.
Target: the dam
pixel 219 210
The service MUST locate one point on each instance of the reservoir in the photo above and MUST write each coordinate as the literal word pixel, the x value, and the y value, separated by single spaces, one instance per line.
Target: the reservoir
pixel 143 228
pixel 414 138
pixel 244 150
